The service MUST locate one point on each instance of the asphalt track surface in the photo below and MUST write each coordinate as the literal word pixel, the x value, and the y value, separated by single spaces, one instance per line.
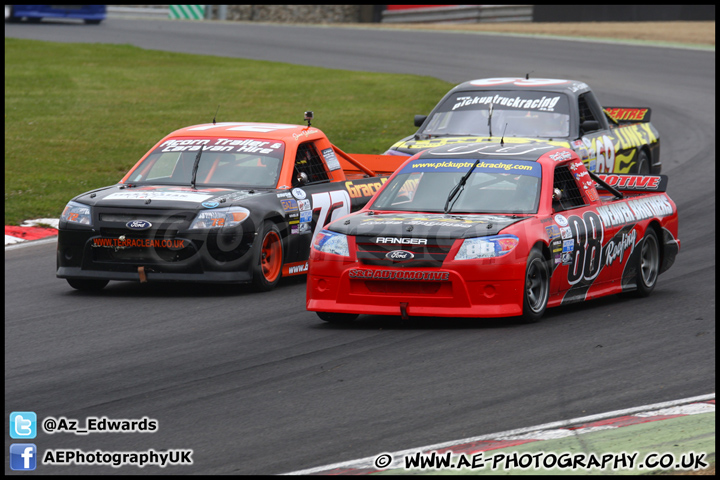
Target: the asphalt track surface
pixel 253 383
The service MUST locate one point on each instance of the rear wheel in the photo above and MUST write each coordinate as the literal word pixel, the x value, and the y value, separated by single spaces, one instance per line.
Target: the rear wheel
pixel 337 317
pixel 648 264
pixel 268 269
pixel 537 287
pixel 87 285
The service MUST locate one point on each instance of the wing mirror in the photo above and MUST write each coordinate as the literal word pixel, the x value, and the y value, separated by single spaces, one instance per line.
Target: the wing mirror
pixel 300 180
pixel 419 119
pixel 589 126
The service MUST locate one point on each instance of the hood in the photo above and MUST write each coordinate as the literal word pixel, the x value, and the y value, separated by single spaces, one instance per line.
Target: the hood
pixel 418 225
pixel 164 196
pixel 410 146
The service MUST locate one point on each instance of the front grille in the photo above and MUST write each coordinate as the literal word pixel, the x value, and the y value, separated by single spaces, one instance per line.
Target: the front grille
pixel 431 255
pixel 402 288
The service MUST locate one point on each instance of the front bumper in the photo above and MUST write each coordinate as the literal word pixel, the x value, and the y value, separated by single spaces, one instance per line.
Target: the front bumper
pixel 484 288
pixel 213 257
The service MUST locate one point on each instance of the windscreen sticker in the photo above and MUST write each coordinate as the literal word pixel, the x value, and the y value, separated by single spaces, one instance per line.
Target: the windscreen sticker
pixel 484 166
pixel 542 104
pixel 229 145
pixel 171 196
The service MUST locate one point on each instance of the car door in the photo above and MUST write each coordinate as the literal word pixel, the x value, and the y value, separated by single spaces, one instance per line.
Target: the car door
pixel 596 136
pixel 583 233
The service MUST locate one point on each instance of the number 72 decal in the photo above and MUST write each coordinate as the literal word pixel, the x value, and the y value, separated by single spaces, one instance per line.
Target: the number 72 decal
pixel 331 206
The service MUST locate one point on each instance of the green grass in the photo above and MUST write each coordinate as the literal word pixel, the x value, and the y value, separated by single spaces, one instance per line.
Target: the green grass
pixel 78 116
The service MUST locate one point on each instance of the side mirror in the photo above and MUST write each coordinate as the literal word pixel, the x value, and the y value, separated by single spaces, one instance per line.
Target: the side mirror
pixel 589 126
pixel 419 120
pixel 557 194
pixel 300 180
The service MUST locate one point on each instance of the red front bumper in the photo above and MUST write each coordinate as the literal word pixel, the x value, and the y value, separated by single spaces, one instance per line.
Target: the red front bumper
pixel 474 288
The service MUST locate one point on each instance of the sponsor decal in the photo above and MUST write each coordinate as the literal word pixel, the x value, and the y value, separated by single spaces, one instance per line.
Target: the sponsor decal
pixel 416 275
pixel 289 205
pixel 330 159
pixel 210 204
pixel 543 104
pixel 553 232
pixel 631 211
pixel 365 189
pixel 402 241
pixel 484 166
pixel 248 145
pixel 304 205
pixel 299 193
pixel 561 220
pixel 560 156
pixel 123 242
pixel 632 114
pixel 305 216
pixel 138 225
pixel 295 268
pixel 636 182
pixel 284 195
pixel 399 255
pixel 171 196
pixel 616 247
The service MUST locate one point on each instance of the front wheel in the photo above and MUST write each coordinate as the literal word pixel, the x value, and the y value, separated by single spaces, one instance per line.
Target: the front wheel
pixel 268 269
pixel 537 287
pixel 643 163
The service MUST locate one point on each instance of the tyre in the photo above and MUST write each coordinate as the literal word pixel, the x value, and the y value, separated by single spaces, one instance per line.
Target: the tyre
pixel 537 287
pixel 337 317
pixel 87 285
pixel 643 163
pixel 648 264
pixel 268 269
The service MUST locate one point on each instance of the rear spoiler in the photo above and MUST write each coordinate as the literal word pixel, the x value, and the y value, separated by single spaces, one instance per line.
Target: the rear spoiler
pixel 627 115
pixel 645 183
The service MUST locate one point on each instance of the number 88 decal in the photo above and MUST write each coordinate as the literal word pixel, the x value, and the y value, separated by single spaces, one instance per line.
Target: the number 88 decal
pixel 587 233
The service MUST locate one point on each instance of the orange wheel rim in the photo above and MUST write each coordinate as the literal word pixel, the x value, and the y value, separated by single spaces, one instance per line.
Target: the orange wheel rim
pixel 271 256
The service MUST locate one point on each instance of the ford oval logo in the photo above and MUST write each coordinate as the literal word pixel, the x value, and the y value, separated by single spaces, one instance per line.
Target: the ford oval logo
pixel 138 225
pixel 399 255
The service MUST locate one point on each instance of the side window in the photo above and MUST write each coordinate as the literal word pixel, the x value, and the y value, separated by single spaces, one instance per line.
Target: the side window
pixel 308 161
pixel 570 196
pixel 586 112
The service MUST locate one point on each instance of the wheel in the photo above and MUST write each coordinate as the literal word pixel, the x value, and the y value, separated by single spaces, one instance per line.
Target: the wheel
pixel 643 163
pixel 87 285
pixel 648 264
pixel 268 269
pixel 337 317
pixel 537 287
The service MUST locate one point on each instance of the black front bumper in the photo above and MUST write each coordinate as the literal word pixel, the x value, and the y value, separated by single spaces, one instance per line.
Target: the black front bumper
pixel 222 256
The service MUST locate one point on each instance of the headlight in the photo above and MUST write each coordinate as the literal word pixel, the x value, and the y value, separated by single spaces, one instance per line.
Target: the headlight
pixel 331 242
pixel 77 213
pixel 487 247
pixel 220 217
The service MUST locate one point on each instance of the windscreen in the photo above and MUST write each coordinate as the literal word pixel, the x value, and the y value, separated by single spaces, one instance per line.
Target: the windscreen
pixel 514 114
pixel 237 162
pixel 494 186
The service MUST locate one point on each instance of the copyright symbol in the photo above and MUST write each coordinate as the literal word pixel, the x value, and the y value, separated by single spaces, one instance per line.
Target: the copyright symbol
pixel 383 460
pixel 49 425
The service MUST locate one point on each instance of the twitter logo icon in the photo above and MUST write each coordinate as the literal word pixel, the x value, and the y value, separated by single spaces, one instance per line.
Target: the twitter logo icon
pixel 23 425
